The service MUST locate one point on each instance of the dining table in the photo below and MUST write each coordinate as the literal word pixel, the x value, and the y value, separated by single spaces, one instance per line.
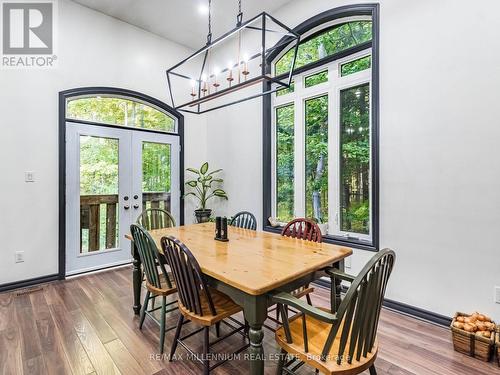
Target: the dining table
pixel 250 268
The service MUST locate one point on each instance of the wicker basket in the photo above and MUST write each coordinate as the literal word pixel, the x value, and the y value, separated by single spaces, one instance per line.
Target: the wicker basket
pixel 497 344
pixel 470 344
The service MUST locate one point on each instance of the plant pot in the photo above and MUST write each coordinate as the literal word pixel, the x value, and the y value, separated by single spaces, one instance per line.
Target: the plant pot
pixel 203 216
pixel 324 228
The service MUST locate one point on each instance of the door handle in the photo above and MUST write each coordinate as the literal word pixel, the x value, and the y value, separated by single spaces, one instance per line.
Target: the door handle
pixel 136 206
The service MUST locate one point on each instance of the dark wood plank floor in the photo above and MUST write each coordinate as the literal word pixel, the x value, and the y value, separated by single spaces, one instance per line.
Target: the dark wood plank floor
pixel 86 326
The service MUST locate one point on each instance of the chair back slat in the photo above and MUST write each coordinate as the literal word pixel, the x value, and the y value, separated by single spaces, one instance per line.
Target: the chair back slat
pixel 156 218
pixel 245 220
pixel 189 279
pixel 304 229
pixel 150 257
pixel 359 311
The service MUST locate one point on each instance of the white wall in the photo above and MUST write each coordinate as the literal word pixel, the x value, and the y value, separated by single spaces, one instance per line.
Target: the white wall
pixel 440 168
pixel 94 50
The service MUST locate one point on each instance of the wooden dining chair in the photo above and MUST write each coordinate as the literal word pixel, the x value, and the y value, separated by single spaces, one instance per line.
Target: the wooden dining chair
pixel 308 230
pixel 245 220
pixel 199 303
pixel 304 229
pixel 155 218
pixel 158 283
pixel 337 341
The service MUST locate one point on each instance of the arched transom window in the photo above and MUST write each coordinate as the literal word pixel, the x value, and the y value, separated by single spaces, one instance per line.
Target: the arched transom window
pixel 121 111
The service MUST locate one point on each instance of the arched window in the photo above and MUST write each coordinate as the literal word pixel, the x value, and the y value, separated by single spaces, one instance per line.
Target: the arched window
pixel 122 111
pixel 322 131
pixel 331 41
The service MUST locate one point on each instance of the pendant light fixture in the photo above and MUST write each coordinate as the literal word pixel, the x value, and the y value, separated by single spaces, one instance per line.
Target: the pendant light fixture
pixel 236 62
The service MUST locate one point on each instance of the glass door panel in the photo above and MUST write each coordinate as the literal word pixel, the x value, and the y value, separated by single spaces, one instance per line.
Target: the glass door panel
pixel 156 161
pixel 98 209
pixel 156 175
pixel 98 193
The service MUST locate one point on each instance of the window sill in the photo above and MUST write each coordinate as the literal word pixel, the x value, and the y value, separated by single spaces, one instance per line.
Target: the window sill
pixel 355 244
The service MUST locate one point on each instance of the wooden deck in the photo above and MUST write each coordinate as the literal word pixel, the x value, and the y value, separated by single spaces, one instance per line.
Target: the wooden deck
pixel 86 326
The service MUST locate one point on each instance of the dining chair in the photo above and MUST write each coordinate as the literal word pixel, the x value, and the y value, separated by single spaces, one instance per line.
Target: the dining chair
pixel 199 303
pixel 156 218
pixel 337 341
pixel 304 229
pixel 245 220
pixel 158 283
pixel 308 230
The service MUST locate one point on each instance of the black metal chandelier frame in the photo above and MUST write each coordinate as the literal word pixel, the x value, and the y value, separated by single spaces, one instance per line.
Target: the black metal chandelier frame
pixel 265 74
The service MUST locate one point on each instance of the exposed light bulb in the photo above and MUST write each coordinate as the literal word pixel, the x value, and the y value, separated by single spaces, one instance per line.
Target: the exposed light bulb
pixel 204 77
pixel 230 65
pixel 193 83
pixel 245 57
pixel 203 9
pixel 216 71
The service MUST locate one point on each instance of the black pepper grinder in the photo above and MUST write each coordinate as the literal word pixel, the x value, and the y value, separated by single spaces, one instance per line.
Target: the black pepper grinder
pixel 218 227
pixel 224 229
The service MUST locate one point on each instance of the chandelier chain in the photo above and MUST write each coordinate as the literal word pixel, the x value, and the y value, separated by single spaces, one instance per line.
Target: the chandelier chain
pixel 239 16
pixel 209 35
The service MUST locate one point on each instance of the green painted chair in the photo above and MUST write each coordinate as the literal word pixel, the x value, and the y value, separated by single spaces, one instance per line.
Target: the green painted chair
pixel 156 218
pixel 337 341
pixel 158 283
pixel 245 220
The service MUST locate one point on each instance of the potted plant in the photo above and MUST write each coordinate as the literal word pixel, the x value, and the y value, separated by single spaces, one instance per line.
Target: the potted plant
pixel 203 190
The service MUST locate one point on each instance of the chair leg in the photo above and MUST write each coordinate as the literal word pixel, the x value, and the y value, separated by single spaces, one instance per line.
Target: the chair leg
pixel 281 362
pixel 162 322
pixel 277 313
pixel 308 298
pixel 217 329
pixel 206 362
pixel 144 308
pixel 373 371
pixel 177 334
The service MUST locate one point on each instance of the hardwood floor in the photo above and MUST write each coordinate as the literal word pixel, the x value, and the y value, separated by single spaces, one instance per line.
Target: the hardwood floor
pixel 86 326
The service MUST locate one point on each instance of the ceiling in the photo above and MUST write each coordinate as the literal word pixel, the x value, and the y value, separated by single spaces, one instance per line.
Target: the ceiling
pixel 181 20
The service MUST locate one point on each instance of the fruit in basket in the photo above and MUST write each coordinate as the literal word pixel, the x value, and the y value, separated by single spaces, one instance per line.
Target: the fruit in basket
pixel 477 323
pixel 469 327
pixel 486 334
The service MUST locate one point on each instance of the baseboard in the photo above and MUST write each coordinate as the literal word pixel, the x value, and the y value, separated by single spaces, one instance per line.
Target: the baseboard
pixel 417 312
pixel 403 308
pixel 29 282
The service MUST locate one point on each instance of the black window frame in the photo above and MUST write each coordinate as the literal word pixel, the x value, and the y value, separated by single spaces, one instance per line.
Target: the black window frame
pixel 372 10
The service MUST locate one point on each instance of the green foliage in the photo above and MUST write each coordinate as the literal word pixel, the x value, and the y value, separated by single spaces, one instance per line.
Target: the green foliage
pixel 356 66
pixel 119 111
pixel 286 90
pixel 285 162
pixel 355 159
pixel 316 122
pixel 156 167
pixel 98 166
pixel 334 40
pixel 316 79
pixel 202 185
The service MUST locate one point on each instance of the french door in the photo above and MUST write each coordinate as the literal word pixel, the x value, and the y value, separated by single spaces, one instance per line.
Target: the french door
pixel 112 175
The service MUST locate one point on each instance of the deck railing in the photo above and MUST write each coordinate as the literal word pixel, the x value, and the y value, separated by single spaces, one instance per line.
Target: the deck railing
pixel 98 218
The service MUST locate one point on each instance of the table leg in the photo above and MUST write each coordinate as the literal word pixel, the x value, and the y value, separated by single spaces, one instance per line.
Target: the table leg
pixel 255 310
pixel 136 278
pixel 338 285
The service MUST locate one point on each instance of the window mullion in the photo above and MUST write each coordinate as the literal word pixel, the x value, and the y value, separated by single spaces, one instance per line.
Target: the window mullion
pixel 299 149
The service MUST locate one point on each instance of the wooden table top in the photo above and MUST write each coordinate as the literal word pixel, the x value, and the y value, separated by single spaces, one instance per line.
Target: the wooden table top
pixel 253 261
